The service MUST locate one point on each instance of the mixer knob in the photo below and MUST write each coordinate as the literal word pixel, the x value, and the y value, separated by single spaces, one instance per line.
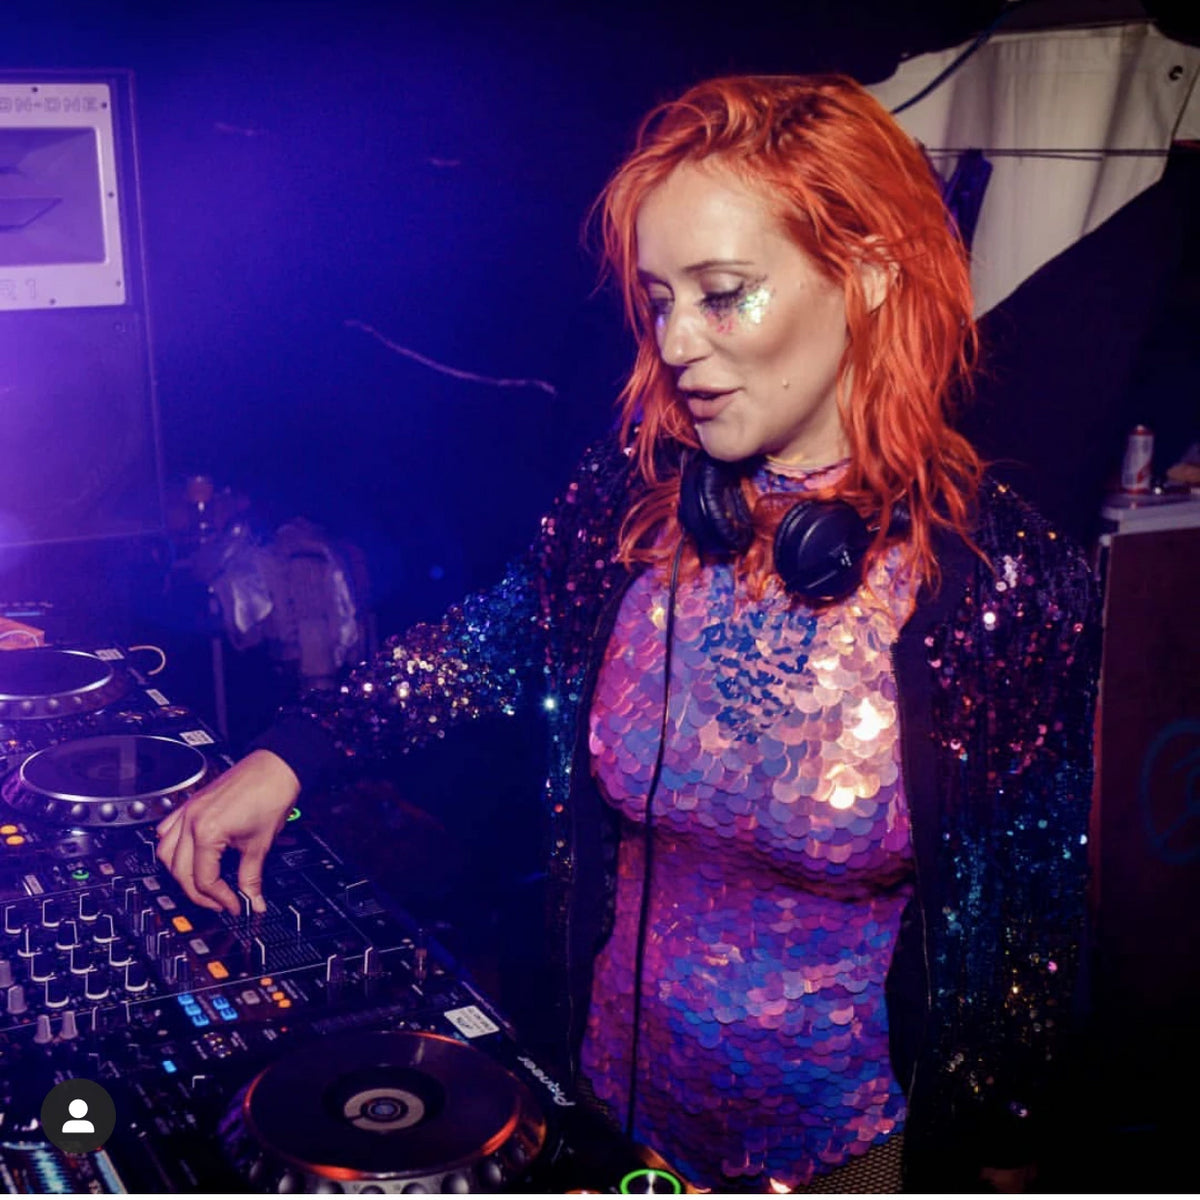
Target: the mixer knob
pixel 81 960
pixel 129 898
pixel 288 1183
pixel 57 995
pixel 43 966
pixel 136 978
pixel 29 945
pixel 104 931
pixel 51 914
pixel 68 936
pixel 70 1030
pixel 15 1000
pixel 176 968
pixel 119 954
pixel 13 919
pixel 89 907
pixel 44 1033
pixel 96 984
pixel 143 920
pixel 6 973
pixel 456 1183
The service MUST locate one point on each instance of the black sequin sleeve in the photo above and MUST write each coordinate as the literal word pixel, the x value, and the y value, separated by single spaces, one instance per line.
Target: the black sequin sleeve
pixel 496 653
pixel 1014 714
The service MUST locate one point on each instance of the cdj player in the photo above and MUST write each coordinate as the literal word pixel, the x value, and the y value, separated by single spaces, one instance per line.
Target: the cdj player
pixel 326 1045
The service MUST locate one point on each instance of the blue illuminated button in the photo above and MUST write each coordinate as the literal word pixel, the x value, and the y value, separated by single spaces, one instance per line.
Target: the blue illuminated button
pixel 199 1020
pixel 169 1066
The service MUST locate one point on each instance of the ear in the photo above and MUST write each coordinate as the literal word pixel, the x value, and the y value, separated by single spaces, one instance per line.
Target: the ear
pixel 877 277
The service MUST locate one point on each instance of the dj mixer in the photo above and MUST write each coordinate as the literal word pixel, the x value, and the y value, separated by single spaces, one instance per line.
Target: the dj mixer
pixel 326 1045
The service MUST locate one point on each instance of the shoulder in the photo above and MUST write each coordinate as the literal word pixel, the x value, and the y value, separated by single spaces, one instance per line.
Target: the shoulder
pixel 1025 550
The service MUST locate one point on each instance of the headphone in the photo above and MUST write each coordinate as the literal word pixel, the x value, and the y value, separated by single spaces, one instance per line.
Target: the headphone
pixel 819 544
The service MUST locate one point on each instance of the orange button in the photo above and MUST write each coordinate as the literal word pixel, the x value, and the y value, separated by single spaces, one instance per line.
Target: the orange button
pixel 278 996
pixel 15 840
pixel 8 829
pixel 182 924
pixel 217 970
pixel 266 981
pixel 285 1003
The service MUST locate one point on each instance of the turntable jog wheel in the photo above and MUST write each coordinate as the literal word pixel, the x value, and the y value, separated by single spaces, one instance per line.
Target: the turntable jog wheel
pixel 118 779
pixel 44 682
pixel 384 1112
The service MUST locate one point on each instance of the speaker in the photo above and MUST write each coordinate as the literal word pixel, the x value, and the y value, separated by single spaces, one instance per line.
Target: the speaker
pixel 79 447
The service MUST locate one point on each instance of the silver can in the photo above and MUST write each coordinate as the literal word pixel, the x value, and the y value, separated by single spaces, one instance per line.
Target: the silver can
pixel 1139 454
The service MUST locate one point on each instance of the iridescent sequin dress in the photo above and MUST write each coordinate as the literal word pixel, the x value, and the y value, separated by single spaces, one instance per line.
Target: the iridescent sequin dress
pixel 782 862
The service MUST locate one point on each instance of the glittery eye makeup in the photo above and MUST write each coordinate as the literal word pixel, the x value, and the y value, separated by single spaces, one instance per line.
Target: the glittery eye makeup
pixel 744 305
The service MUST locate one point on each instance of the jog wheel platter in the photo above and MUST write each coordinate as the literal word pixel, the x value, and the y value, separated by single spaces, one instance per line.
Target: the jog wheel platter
pixel 119 779
pixel 44 683
pixel 385 1112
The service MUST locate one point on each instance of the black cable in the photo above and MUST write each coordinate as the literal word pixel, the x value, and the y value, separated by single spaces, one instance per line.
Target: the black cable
pixel 648 855
pixel 976 45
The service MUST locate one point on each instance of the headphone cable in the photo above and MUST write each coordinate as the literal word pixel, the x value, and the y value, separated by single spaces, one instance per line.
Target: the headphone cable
pixel 648 854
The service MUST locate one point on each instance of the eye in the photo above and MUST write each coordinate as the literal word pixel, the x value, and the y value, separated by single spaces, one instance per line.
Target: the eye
pixel 658 305
pixel 722 302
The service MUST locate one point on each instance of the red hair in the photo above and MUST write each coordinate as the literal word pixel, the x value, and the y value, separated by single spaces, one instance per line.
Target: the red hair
pixel 851 188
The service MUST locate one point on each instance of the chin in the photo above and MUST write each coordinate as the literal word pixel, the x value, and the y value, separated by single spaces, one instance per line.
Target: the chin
pixel 725 445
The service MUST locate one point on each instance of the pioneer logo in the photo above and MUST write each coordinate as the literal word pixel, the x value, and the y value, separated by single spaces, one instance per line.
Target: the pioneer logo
pixel 555 1089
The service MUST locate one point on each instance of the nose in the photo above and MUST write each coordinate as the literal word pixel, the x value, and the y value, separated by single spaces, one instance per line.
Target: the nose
pixel 681 339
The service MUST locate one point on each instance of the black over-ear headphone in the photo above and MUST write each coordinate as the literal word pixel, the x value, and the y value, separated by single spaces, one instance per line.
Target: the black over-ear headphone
pixel 819 545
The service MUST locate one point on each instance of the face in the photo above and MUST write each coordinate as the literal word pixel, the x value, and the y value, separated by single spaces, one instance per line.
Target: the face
pixel 751 329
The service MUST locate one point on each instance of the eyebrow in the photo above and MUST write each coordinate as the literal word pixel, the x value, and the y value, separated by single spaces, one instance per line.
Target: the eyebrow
pixel 709 264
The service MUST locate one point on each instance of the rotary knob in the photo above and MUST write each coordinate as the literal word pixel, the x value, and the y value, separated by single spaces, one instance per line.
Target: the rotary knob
pixel 43 966
pixel 68 936
pixel 104 933
pixel 57 995
pixel 96 984
pixel 51 914
pixel 136 978
pixel 89 907
pixel 119 953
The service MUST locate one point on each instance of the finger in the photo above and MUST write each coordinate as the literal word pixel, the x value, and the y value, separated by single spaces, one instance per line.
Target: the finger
pixel 169 822
pixel 206 871
pixel 167 845
pixel 183 868
pixel 250 872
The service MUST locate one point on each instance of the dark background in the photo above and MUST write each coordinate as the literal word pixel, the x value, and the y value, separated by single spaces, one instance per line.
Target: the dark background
pixel 426 169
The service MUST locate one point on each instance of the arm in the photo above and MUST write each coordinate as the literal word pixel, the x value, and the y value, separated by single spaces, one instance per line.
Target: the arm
pixel 1013 675
pixel 490 655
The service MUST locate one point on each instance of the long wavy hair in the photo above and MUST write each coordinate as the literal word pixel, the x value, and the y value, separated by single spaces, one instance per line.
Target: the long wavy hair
pixel 852 189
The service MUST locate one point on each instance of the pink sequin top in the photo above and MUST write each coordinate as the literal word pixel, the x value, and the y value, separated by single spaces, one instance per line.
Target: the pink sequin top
pixel 782 862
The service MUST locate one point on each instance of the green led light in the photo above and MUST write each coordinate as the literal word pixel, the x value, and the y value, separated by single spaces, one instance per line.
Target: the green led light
pixel 294 815
pixel 652 1178
pixel 81 873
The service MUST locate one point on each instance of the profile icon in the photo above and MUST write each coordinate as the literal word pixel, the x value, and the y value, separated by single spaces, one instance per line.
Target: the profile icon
pixel 78 1116
pixel 77 1124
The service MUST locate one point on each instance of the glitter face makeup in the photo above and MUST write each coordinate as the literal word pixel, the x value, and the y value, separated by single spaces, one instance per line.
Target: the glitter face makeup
pixel 739 308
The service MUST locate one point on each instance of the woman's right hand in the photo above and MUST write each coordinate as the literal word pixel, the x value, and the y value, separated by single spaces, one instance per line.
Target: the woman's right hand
pixel 244 809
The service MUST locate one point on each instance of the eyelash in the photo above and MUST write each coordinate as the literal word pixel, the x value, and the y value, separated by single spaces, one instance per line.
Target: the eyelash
pixel 717 303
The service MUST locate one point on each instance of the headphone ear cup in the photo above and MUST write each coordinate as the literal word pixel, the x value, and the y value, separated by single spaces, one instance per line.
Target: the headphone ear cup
pixel 819 550
pixel 712 507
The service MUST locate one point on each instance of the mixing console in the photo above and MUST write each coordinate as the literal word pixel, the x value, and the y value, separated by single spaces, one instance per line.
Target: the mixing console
pixel 324 1045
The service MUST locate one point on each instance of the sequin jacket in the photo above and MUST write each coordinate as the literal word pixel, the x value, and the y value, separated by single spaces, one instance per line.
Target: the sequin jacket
pixel 995 674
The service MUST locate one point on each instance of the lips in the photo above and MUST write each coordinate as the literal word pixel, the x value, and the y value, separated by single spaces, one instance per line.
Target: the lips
pixel 705 403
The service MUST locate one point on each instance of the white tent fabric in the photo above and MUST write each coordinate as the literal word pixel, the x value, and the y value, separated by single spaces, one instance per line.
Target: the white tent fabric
pixel 1075 123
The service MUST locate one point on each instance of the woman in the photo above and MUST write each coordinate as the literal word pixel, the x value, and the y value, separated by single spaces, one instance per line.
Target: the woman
pixel 857 905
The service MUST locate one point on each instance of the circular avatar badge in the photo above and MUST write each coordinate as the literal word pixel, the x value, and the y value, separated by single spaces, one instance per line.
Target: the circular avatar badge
pixel 78 1116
